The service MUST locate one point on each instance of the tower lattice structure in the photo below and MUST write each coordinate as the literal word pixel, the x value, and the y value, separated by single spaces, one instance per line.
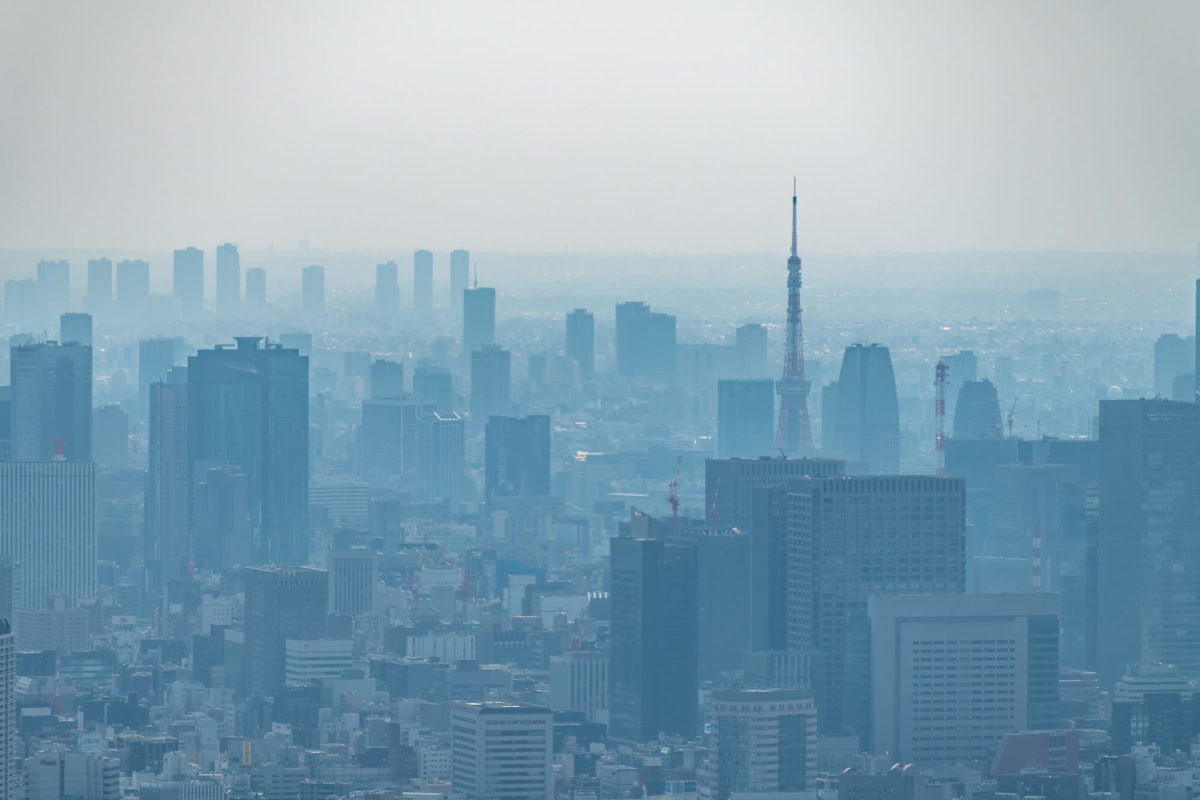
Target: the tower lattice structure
pixel 793 435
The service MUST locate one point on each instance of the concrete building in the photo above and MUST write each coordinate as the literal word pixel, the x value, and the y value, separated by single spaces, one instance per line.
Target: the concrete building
pixel 863 424
pixel 491 385
pixel 517 455
pixel 133 286
pixel 423 281
pixel 579 682
pixel 256 288
pixel 353 575
pixel 10 739
pixel 751 343
pixel 502 750
pixel 951 675
pixel 763 741
pixel 479 318
pixel 282 603
pixel 99 298
pixel 581 342
pixel 75 327
pixel 229 280
pixel 443 457
pixel 460 276
pixel 307 660
pixel 167 494
pixel 387 289
pixel 53 288
pixel 391 436
pixel 977 412
pixel 745 418
pixel 645 342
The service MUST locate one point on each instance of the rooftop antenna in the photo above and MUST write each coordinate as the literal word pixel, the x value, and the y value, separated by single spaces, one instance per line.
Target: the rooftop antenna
pixel 476 286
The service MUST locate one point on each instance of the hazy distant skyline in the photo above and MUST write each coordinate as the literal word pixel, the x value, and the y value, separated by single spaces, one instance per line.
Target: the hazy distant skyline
pixel 918 126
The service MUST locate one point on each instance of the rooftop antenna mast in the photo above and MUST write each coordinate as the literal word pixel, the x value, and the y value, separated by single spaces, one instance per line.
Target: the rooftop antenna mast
pixel 476 286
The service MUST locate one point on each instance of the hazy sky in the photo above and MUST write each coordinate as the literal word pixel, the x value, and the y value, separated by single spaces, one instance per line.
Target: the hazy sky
pixel 601 126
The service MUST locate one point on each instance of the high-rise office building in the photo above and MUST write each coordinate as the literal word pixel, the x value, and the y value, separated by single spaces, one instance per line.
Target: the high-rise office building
pixel 99 285
pixel 751 343
pixel 223 534
pixel 729 483
pixel 156 357
pixel 491 384
pixel 21 303
pixel 387 379
pixel 479 318
pixel 312 281
pixel 460 277
pixel 436 385
pixel 256 288
pixel 645 342
pixel 75 327
pixel 1174 355
pixel 423 281
pixel 763 740
pixel 248 407
pixel 952 675
pixel 853 537
pixel 51 774
pixel 167 484
pixel 581 341
pixel 352 578
pixel 652 674
pixel 189 280
pixel 1148 553
pixel 443 456
pixel 518 736
pixel 391 436
pixel 961 367
pixel 866 428
pixel 745 418
pixel 54 287
pixel 51 401
pixel 133 286
pixel 281 603
pixel 517 456
pixel 229 280
pixel 10 738
pixel 977 413
pixel 48 526
pixel 387 288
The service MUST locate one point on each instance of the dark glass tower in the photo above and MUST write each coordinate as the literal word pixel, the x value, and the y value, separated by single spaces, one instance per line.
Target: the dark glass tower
pixel 581 341
pixel 652 674
pixel 51 401
pixel 248 407
pixel 866 428
pixel 517 456
pixel 479 318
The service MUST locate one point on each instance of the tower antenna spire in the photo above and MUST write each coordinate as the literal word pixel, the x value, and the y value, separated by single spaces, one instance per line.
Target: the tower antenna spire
pixel 793 217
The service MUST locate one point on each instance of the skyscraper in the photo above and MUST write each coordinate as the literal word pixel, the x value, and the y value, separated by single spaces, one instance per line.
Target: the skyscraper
pixel 156 357
pixel 229 280
pixel 853 537
pixel 460 277
pixel 391 436
pixel 423 281
pixel 51 401
pixel 189 280
pixel 491 384
pixel 281 603
pixel 751 342
pixel 387 379
pixel 222 529
pixel 1148 552
pixel 763 740
pixel 167 494
pixel 977 413
pixel 248 407
pixel 1174 355
pixel 436 385
pixel 99 285
pixel 479 318
pixel 443 453
pixel 313 290
pixel 652 674
pixel 256 288
pixel 581 341
pixel 517 456
pixel 387 289
pixel 133 285
pixel 75 328
pixel 48 526
pixel 992 658
pixel 745 418
pixel 645 342
pixel 502 750
pixel 793 435
pixel 10 738
pixel 54 287
pixel 866 429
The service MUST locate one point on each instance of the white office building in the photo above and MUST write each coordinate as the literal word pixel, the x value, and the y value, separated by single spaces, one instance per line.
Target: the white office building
pixel 502 750
pixel 579 682
pixel 952 674
pixel 308 660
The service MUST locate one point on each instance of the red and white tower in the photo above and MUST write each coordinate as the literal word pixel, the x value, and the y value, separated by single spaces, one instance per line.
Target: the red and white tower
pixel 793 436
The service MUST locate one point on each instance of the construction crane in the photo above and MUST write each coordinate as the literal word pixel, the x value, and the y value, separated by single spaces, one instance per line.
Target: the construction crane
pixel 1011 409
pixel 712 509
pixel 673 496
